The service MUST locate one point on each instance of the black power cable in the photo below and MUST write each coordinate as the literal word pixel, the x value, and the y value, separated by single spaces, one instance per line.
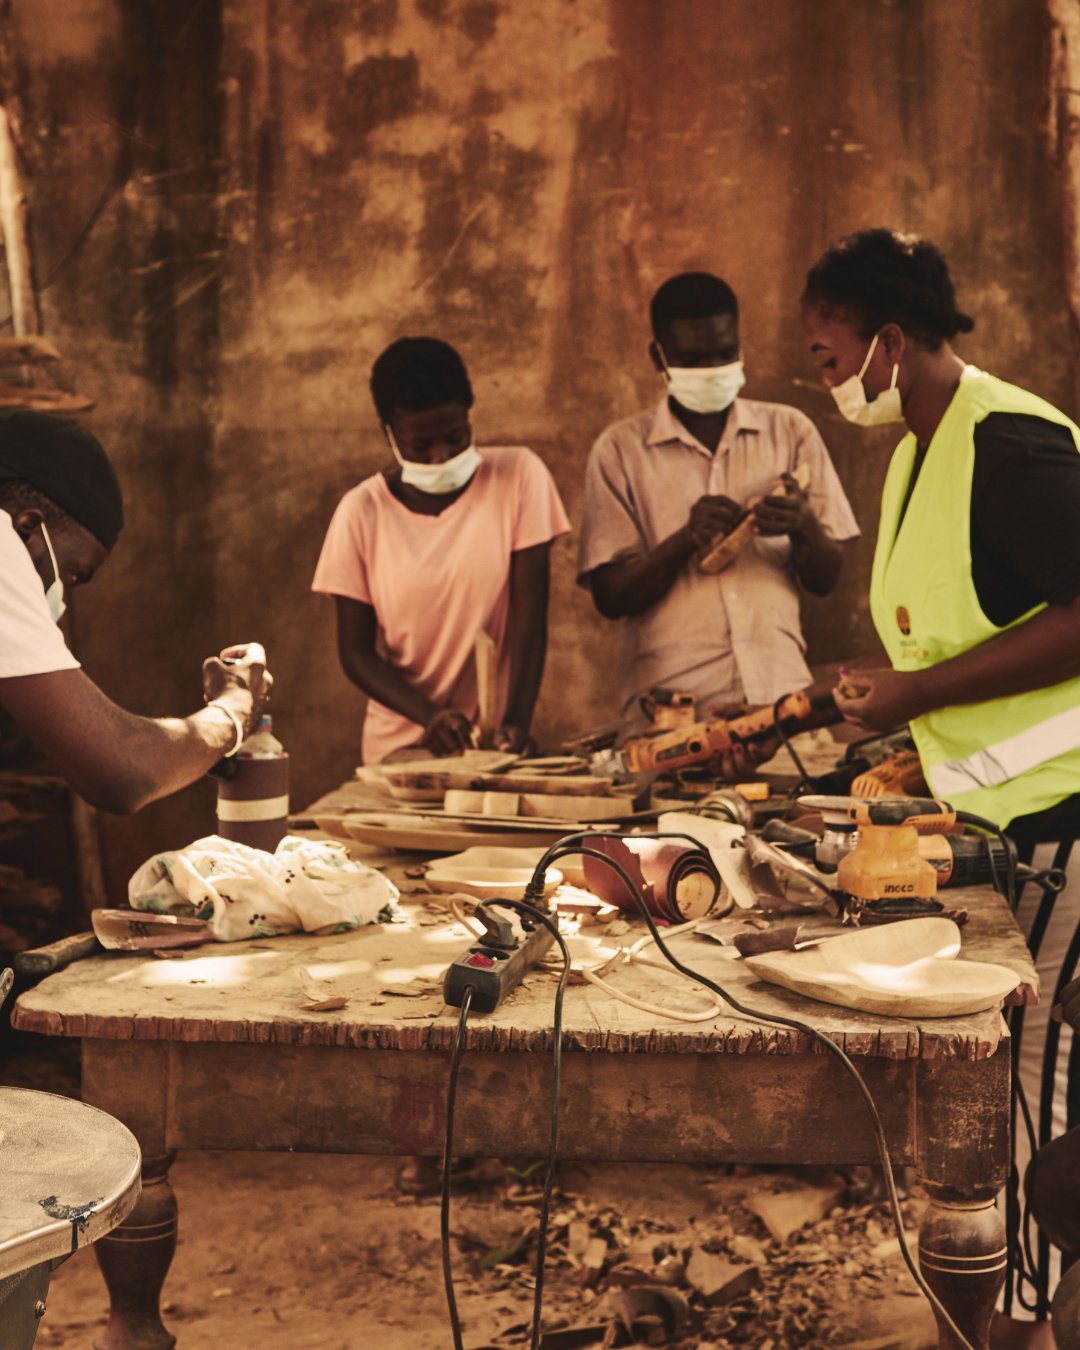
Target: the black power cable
pixel 805 781
pixel 537 914
pixel 448 1155
pixel 572 845
pixel 522 907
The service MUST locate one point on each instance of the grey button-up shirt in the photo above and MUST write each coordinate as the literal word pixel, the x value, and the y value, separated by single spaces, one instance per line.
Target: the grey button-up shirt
pixel 730 638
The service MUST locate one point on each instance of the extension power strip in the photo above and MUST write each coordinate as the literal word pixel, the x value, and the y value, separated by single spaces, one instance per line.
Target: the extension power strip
pixel 495 964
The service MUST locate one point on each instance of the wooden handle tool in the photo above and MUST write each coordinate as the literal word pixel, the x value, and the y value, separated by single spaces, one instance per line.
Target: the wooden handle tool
pixel 49 959
pixel 486 689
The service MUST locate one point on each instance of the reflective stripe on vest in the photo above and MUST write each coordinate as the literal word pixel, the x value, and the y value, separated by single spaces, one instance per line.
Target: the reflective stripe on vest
pixel 1009 758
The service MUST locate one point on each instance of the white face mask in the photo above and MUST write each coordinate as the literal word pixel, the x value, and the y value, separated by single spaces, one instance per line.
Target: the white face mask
pixel 55 594
pixel 851 398
pixel 704 389
pixel 438 479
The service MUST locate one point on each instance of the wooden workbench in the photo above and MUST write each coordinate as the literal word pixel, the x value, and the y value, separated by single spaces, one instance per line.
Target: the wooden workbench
pixel 213 1050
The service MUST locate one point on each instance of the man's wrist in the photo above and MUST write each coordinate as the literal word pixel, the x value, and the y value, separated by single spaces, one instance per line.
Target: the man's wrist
pixel 238 700
pixel 683 543
pixel 805 531
pixel 230 716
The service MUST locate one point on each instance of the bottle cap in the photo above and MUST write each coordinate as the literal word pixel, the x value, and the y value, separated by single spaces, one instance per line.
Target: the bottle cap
pixel 266 722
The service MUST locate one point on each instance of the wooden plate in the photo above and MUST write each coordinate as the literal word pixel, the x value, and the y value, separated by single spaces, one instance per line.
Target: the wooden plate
pixel 485 883
pixel 430 834
pixel 905 969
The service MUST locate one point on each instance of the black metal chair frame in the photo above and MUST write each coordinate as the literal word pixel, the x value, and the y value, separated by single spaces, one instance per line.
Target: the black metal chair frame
pixel 1014 1215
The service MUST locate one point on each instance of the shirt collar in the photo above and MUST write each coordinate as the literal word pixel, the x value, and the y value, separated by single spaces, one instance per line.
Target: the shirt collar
pixel 666 427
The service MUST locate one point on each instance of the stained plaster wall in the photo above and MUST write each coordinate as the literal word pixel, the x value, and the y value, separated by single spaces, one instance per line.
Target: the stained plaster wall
pixel 244 200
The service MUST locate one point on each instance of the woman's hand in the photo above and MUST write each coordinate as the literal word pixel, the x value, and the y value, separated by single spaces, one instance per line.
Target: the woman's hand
pixel 880 699
pixel 514 740
pixel 449 732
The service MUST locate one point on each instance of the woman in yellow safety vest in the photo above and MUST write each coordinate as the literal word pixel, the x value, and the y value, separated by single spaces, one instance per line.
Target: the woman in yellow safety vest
pixel 975 591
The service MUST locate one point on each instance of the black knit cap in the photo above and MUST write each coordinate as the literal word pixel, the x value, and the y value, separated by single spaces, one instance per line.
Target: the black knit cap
pixel 65 463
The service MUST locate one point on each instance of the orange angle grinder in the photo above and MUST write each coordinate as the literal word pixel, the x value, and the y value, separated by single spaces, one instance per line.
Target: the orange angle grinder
pixel 681 743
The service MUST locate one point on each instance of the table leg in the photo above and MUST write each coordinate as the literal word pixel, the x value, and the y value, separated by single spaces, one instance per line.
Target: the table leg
pixel 962 1256
pixel 129 1080
pixel 135 1259
pixel 963 1149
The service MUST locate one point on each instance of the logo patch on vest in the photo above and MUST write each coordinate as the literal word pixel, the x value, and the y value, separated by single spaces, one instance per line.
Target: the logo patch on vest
pixel 903 620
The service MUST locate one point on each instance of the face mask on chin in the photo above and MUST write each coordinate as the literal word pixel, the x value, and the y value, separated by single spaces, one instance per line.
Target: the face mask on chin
pixel 704 389
pixel 54 595
pixel 437 479
pixel 850 397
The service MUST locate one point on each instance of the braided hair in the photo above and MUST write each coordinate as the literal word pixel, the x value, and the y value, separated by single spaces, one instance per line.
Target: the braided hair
pixel 876 277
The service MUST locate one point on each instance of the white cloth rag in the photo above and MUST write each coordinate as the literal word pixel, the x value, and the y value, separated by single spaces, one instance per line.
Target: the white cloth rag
pixel 306 885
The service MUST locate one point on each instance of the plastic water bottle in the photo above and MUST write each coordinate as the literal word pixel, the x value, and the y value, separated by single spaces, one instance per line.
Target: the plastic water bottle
pixel 253 805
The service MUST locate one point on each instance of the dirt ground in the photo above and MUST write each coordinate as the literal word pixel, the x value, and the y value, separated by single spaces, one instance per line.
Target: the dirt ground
pixel 304 1251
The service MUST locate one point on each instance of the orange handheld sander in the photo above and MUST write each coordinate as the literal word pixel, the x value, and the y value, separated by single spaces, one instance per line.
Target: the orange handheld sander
pixel 891 854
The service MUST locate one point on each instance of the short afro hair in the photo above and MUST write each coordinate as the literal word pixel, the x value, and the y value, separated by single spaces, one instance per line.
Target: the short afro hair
pixel 881 276
pixel 416 374
pixel 690 295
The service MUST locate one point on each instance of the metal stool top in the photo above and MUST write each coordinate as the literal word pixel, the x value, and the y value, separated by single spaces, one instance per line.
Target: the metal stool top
pixel 68 1175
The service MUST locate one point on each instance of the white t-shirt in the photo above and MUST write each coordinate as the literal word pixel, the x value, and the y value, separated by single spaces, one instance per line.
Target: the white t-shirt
pixel 30 643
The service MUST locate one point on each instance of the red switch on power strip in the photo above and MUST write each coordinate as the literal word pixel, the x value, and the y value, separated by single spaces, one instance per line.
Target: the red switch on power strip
pixel 480 959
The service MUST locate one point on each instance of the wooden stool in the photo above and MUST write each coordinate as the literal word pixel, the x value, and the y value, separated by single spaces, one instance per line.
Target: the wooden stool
pixel 69 1174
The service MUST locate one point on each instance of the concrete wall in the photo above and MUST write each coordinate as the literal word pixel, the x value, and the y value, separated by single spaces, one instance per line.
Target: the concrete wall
pixel 274 190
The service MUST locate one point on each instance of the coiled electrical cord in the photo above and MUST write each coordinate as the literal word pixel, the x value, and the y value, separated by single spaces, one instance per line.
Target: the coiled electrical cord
pixel 573 845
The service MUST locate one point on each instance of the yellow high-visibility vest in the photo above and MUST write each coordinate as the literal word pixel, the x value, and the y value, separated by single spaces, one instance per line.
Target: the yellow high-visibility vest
pixel 1005 757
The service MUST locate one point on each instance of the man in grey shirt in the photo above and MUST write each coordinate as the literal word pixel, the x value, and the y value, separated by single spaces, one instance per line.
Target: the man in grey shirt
pixel 663 484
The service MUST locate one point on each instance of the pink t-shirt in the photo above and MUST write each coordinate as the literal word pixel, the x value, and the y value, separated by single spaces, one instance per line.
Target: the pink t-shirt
pixel 434 581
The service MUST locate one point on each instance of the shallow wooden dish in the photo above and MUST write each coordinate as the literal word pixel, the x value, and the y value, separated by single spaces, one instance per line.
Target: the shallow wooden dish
pixel 430 834
pixel 486 883
pixel 906 969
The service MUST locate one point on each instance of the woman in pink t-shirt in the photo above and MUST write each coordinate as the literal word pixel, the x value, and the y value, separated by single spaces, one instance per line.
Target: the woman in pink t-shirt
pixel 449 541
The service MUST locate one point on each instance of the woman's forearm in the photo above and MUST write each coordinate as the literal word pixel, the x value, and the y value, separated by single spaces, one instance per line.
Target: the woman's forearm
pixel 1042 652
pixel 386 684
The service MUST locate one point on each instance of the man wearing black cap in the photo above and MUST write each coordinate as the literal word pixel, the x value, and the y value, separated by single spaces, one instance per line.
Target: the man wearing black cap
pixel 61 512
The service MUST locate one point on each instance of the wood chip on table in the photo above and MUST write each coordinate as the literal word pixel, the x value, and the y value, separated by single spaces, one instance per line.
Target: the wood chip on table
pixel 320 995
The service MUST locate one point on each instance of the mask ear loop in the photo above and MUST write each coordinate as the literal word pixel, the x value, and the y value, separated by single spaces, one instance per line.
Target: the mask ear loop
pixel 393 444
pixel 52 555
pixel 869 355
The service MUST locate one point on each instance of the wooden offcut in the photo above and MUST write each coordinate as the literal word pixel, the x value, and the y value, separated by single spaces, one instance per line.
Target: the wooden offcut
pixel 723 551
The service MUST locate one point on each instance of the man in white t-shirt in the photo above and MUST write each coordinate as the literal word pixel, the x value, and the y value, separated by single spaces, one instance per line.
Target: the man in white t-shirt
pixel 60 515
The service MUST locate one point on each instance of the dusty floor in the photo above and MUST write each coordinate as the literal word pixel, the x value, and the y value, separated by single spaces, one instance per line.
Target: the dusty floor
pixel 313 1251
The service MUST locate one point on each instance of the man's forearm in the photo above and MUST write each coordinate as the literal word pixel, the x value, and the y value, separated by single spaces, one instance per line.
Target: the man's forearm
pixel 630 587
pixel 816 558
pixel 115 759
pixel 1042 652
